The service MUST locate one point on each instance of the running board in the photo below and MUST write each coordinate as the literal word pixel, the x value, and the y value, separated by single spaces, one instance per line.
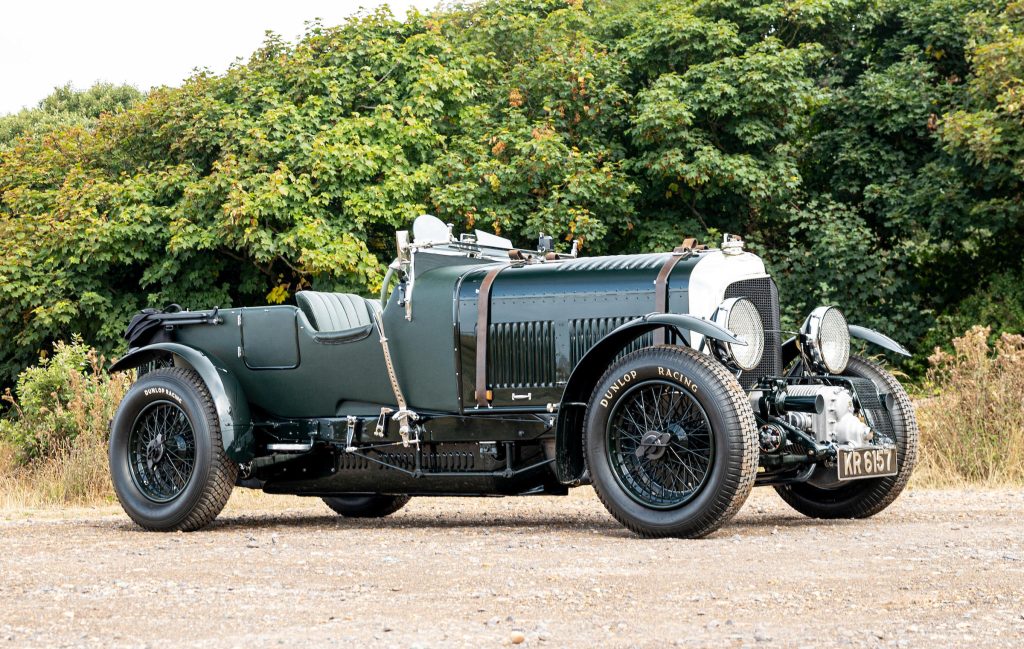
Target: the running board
pixel 290 448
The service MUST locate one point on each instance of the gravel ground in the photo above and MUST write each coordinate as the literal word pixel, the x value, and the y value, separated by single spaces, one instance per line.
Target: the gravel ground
pixel 938 568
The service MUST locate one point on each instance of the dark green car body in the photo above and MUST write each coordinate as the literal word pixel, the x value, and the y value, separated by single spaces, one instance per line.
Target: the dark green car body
pixel 309 409
pixel 282 380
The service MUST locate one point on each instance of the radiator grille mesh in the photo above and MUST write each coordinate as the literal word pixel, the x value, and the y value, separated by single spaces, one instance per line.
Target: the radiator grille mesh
pixel 877 416
pixel 765 296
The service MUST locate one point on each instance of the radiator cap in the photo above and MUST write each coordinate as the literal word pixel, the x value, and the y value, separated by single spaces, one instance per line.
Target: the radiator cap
pixel 732 244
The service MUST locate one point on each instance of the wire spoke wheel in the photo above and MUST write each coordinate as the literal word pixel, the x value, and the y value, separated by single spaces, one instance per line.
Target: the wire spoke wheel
pixel 670 442
pixel 660 444
pixel 168 463
pixel 864 498
pixel 162 451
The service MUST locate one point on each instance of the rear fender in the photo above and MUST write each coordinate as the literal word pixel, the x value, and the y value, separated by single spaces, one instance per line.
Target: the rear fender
pixel 228 398
pixel 569 462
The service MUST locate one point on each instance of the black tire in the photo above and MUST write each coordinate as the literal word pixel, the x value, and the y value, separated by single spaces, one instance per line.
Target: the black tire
pixel 694 464
pixel 167 463
pixel 864 498
pixel 366 506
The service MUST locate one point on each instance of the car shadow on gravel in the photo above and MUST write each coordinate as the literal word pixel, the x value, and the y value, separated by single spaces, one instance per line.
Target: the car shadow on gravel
pixel 767 523
pixel 755 525
pixel 414 521
pixel 266 521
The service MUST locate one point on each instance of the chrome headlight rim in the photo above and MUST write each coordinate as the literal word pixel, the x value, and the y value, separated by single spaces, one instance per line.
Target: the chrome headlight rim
pixel 830 355
pixel 737 315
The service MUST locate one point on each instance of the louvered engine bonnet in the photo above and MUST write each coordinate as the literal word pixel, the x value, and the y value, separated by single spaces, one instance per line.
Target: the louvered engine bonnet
pixel 545 317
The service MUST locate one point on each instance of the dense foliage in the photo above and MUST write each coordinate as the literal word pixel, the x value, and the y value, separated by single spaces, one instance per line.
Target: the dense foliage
pixel 871 150
pixel 53 443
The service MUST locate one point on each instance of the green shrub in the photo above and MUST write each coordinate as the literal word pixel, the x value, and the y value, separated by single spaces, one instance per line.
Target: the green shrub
pixel 64 401
pixel 997 304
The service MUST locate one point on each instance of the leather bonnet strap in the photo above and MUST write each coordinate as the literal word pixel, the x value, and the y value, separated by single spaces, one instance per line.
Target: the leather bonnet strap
pixel 661 283
pixel 483 318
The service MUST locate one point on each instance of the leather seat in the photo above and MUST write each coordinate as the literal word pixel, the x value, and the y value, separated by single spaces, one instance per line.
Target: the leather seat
pixel 335 311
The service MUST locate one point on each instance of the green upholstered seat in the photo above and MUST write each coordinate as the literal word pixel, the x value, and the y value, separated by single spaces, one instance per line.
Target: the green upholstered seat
pixel 335 311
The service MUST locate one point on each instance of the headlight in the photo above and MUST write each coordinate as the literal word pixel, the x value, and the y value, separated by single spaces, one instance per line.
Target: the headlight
pixel 826 337
pixel 740 316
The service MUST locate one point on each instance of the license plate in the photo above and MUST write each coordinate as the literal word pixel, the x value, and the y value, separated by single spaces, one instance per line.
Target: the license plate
pixel 855 464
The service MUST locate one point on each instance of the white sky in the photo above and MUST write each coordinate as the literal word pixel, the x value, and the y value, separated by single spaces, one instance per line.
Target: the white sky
pixel 147 43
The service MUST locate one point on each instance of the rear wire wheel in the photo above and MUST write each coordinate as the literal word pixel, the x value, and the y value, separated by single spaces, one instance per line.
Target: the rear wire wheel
pixel 366 506
pixel 670 443
pixel 161 451
pixel 167 459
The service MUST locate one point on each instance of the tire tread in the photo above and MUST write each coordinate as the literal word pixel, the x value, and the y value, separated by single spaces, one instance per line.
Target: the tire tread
pixel 739 414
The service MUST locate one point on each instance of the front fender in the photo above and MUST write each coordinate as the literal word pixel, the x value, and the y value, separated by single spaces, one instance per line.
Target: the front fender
pixel 569 463
pixel 228 398
pixel 790 351
pixel 880 339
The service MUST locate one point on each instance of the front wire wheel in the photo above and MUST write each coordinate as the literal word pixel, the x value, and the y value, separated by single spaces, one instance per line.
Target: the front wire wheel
pixel 864 498
pixel 670 443
pixel 660 444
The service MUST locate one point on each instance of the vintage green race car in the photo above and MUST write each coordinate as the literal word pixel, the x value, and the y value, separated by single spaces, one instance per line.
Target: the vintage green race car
pixel 661 379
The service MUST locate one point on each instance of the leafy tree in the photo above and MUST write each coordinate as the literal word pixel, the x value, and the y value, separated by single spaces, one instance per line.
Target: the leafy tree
pixel 870 150
pixel 984 135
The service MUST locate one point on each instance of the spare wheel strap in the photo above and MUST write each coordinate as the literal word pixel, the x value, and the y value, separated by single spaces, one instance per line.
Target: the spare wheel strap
pixel 483 318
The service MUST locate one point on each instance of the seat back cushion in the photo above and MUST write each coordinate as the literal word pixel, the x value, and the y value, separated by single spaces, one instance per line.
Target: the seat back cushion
pixel 334 311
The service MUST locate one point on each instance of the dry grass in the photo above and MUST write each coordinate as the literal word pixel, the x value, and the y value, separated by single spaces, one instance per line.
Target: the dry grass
pixel 76 475
pixel 972 414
